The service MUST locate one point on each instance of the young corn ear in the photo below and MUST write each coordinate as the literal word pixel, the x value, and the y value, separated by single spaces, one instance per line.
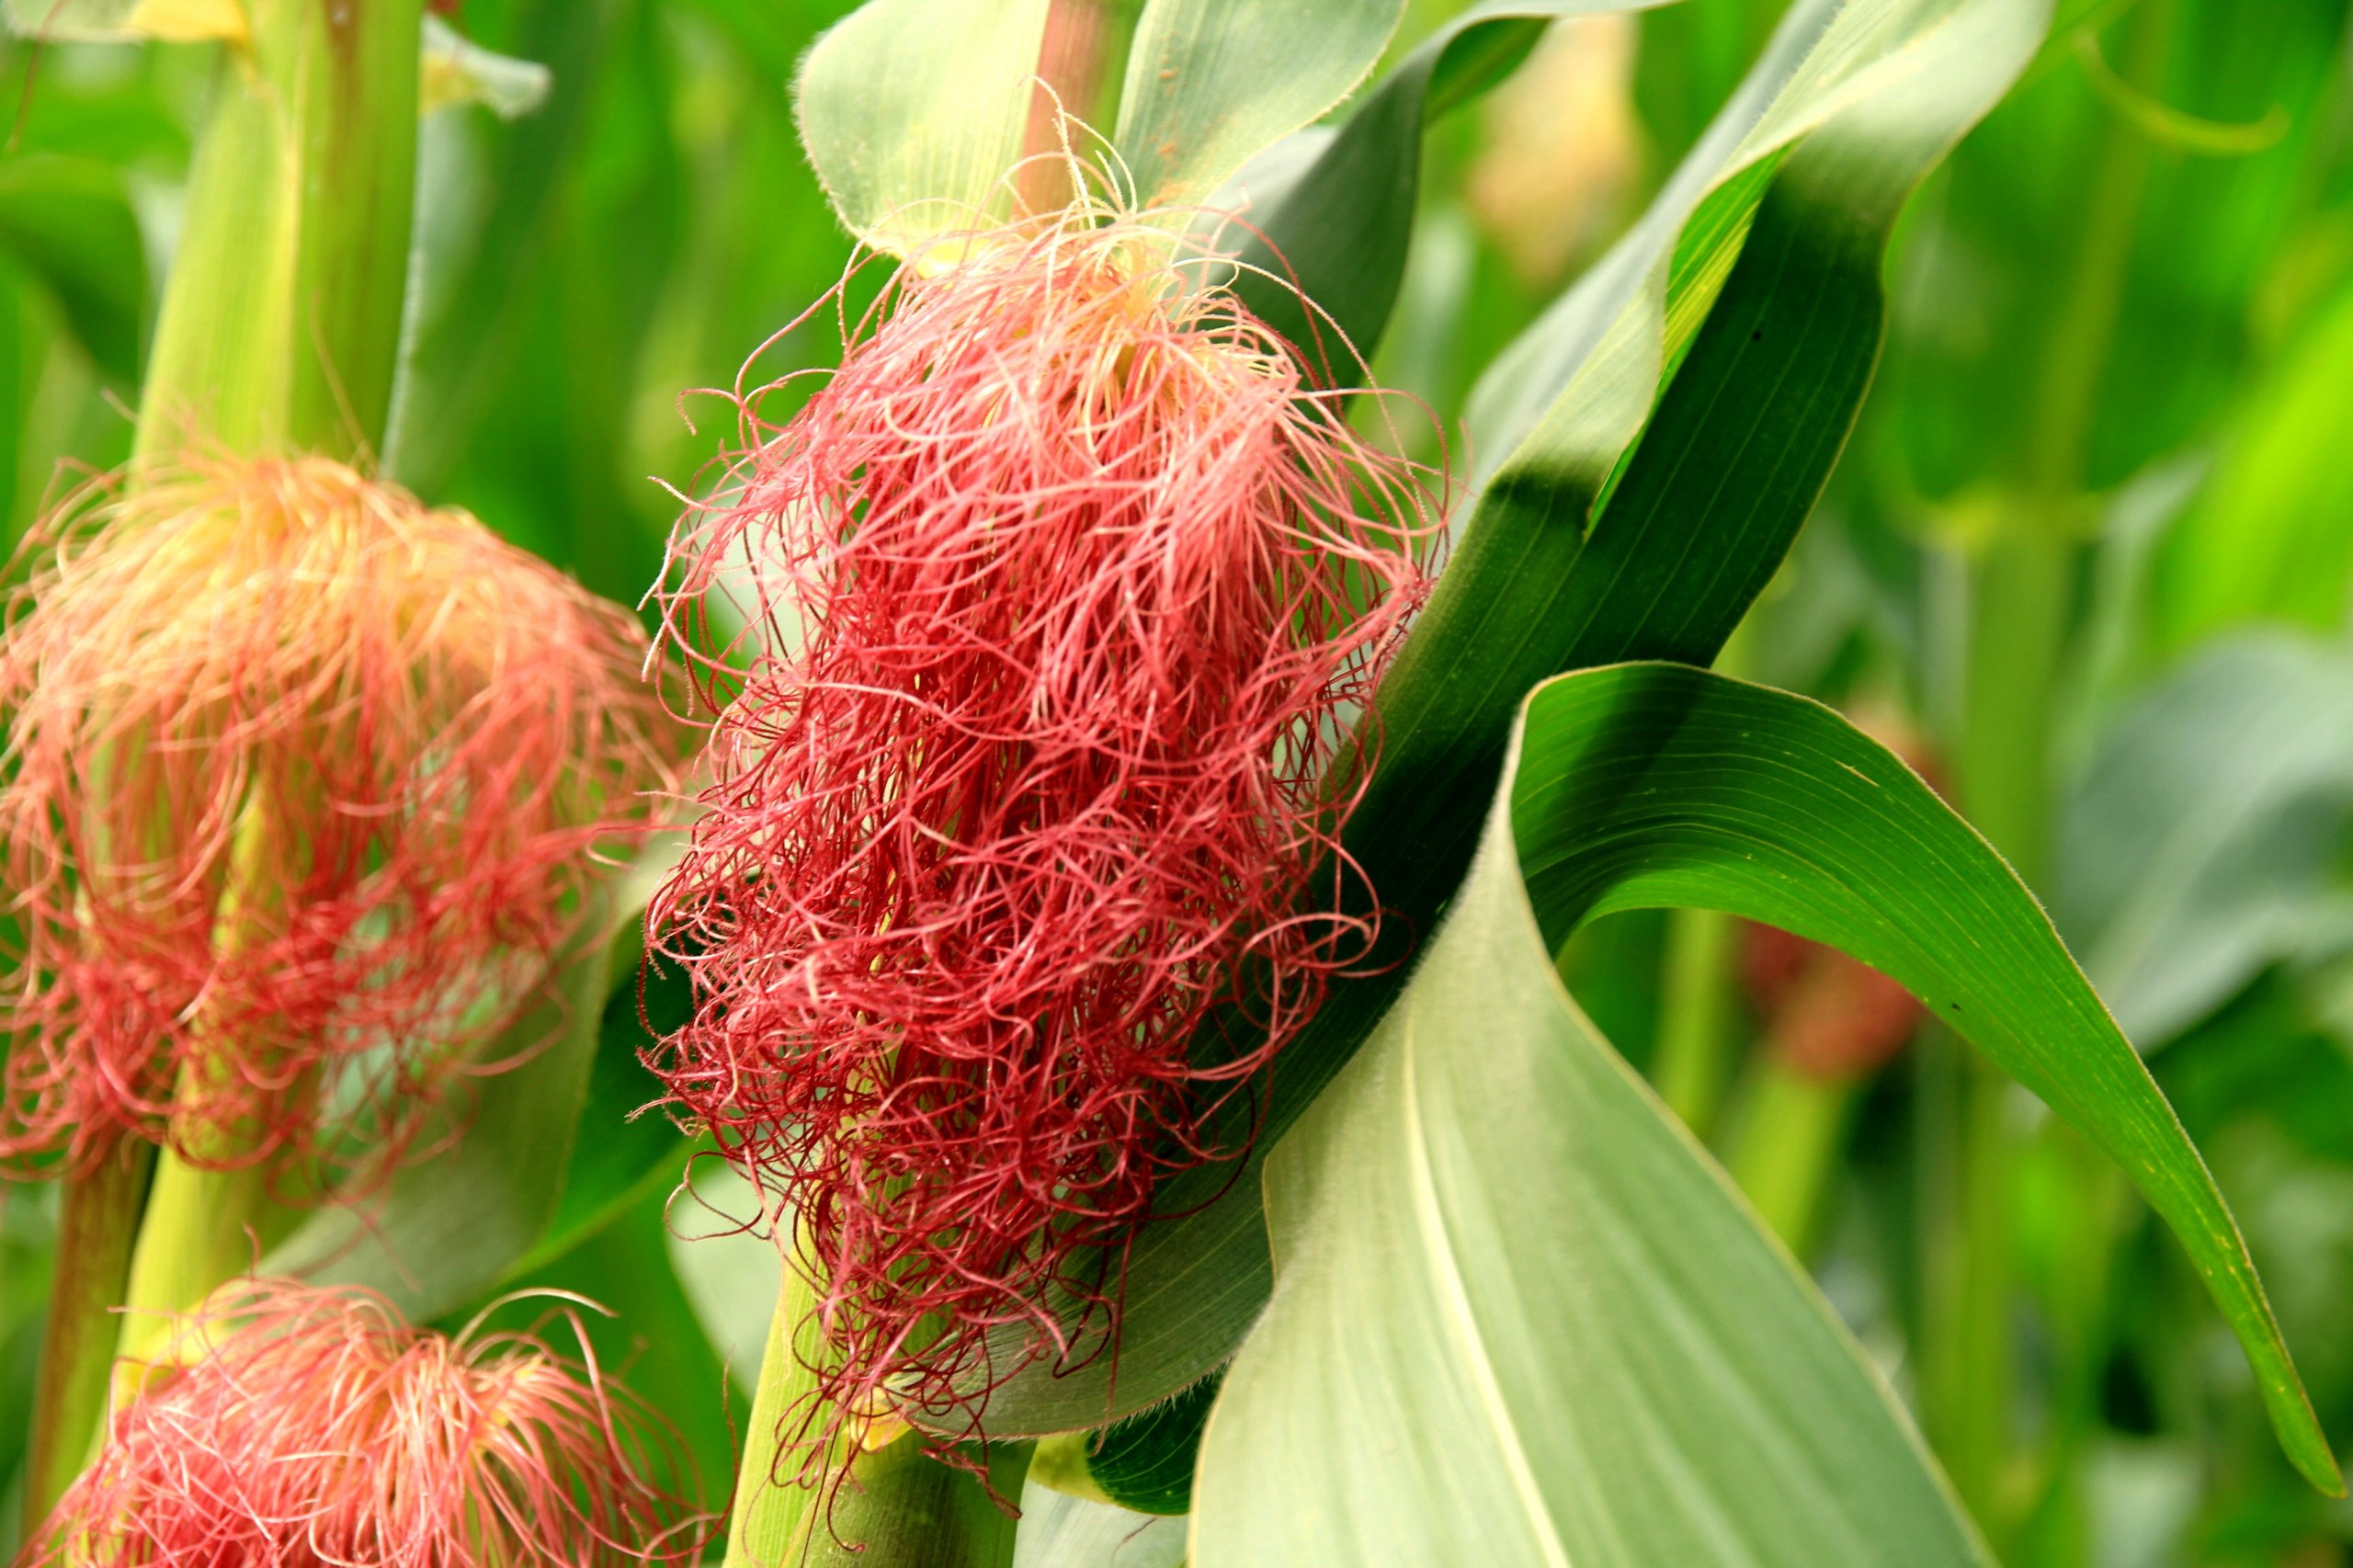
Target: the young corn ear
pixel 297 1427
pixel 1062 596
pixel 302 780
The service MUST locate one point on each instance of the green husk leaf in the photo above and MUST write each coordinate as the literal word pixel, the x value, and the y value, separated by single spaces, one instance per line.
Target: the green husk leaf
pixel 1339 231
pixel 915 112
pixel 1210 83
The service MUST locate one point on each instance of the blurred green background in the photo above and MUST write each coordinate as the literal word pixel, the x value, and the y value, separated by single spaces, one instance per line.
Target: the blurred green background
pixel 2123 329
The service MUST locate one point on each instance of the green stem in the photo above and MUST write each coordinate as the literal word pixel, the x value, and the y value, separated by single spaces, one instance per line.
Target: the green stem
pixel 2083 1307
pixel 1695 1028
pixel 897 1509
pixel 94 1242
pixel 1786 1145
pixel 280 323
pixel 203 1227
pixel 1966 1368
pixel 279 330
pixel 208 1214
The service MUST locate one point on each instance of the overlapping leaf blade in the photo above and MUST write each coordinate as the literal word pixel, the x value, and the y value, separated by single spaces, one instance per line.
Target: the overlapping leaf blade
pixel 1520 1317
pixel 1210 82
pixel 1601 1357
pixel 1339 231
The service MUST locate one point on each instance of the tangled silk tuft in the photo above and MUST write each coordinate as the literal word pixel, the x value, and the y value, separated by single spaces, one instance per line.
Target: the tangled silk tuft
pixel 302 783
pixel 1065 594
pixel 296 1427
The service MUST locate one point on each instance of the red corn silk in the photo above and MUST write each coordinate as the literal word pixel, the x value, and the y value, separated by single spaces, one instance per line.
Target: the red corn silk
pixel 298 1427
pixel 1065 593
pixel 302 787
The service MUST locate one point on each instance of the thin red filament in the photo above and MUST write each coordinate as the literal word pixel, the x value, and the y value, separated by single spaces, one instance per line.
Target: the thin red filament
pixel 1063 593
pixel 314 1429
pixel 302 785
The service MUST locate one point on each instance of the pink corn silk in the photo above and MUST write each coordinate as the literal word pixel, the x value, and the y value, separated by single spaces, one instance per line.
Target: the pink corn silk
pixel 314 1429
pixel 1065 593
pixel 417 731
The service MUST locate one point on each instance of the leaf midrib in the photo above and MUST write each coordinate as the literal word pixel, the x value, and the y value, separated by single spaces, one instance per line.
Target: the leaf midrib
pixel 1455 1311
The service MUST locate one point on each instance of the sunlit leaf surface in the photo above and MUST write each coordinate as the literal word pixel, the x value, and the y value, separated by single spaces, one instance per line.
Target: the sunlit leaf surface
pixel 1489 1234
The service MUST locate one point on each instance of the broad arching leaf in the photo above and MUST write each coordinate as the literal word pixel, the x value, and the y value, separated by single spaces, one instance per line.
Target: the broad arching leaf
pixel 1489 1234
pixel 1659 786
pixel 1811 162
pixel 1520 1316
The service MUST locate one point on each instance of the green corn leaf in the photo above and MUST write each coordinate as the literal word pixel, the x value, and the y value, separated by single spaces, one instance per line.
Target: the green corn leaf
pixel 2197 849
pixel 1337 232
pixel 69 221
pixel 1600 1355
pixel 1656 786
pixel 1061 1531
pixel 1854 101
pixel 1210 83
pixel 624 1148
pixel 915 111
pixel 1519 1316
pixel 451 1225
